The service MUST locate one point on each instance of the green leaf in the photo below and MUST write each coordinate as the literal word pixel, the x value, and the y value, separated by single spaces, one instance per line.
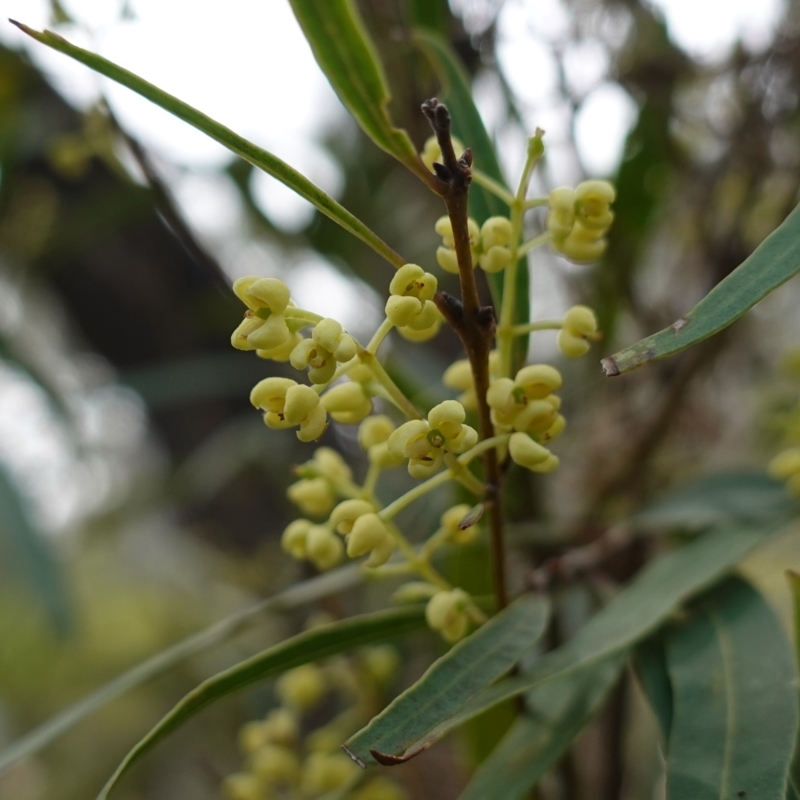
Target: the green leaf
pixel 651 667
pixel 470 666
pixel 793 789
pixel 637 611
pixel 469 128
pixel 556 714
pixel 250 152
pixel 320 642
pixel 296 596
pixel 735 716
pixel 774 261
pixel 348 57
pixel 31 554
pixel 726 497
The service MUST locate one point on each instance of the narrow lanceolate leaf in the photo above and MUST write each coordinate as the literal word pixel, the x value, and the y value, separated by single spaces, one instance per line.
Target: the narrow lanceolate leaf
pixel 470 666
pixel 726 497
pixel 633 614
pixel 346 54
pixel 296 596
pixel 793 789
pixel 735 713
pixel 469 128
pixel 556 714
pixel 650 661
pixel 250 152
pixel 32 556
pixel 321 642
pixel 775 260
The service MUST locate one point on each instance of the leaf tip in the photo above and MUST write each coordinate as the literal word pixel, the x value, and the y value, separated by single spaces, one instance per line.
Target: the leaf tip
pixel 354 756
pixel 389 760
pixel 610 367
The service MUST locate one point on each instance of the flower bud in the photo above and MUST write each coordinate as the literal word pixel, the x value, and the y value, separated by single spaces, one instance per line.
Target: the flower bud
pixel 495 259
pixel 347 512
pixel 368 531
pixel 525 452
pixel 379 789
pixel 785 465
pixel 300 401
pixel 570 345
pixel 581 321
pixel 414 592
pixel 283 351
pixel 293 540
pixel 312 496
pixel 347 402
pixel 323 548
pixel 538 380
pixel 381 663
pixel 555 430
pixel 242 786
pixel 412 334
pixel 496 232
pixel 412 281
pixel 326 772
pixel 275 765
pixel 447 417
pixel 270 394
pixel 447 260
pixel 593 199
pixel 281 727
pixel 536 417
pixel 331 465
pixel 301 688
pixel 374 430
pixel 451 522
pixel 401 310
pixel 270 293
pixel 561 218
pixel 446 612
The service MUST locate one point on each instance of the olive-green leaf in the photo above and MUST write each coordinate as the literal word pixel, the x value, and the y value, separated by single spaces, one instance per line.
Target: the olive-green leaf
pixel 793 788
pixel 650 662
pixel 735 699
pixel 470 666
pixel 774 261
pixel 250 152
pixel 555 714
pixel 320 642
pixel 725 497
pixel 294 597
pixel 469 128
pixel 346 54
pixel 637 611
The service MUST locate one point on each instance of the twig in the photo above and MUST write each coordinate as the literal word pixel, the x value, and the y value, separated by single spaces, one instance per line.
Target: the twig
pixel 473 322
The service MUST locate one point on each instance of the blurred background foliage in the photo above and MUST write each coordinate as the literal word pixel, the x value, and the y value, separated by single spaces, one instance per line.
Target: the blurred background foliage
pixel 141 497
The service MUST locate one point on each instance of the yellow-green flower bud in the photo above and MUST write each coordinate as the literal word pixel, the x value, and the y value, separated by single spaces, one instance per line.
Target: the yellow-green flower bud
pixel 536 417
pixel 293 539
pixel 444 228
pixel 446 258
pixel 326 772
pixel 561 218
pixel 331 465
pixel 555 430
pixel 374 430
pixel 282 352
pixel 347 403
pixel 301 688
pixel 268 293
pixel 502 401
pixel 379 789
pixel 570 345
pixel 414 334
pixel 347 512
pixel 496 232
pixel 369 534
pixel 592 201
pixel 401 310
pixel 414 592
pixel 525 452
pixel 299 403
pixel 381 663
pixel 581 321
pixel 495 259
pixel 550 464
pixel 286 403
pixel 582 245
pixel 242 786
pixel 323 548
pixel 785 465
pixel 446 613
pixel 412 281
pixel 281 726
pixel 538 380
pixel 313 496
pixel 431 152
pixel 275 765
pixel 448 418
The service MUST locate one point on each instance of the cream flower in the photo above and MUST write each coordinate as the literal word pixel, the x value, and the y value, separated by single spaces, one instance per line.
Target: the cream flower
pixel 287 403
pixel 264 327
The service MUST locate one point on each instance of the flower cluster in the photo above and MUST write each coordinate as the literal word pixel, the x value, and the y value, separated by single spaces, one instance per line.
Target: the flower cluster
pixel 410 307
pixel 280 763
pixel 424 442
pixel 489 244
pixel 579 219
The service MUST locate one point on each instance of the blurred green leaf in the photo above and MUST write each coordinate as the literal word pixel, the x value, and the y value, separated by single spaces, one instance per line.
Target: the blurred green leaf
pixel 556 714
pixel 774 261
pixel 296 596
pixel 470 666
pixel 318 643
pixel 664 585
pixel 734 683
pixel 469 128
pixel 260 158
pixel 346 54
pixel 651 667
pixel 746 496
pixel 32 555
pixel 793 788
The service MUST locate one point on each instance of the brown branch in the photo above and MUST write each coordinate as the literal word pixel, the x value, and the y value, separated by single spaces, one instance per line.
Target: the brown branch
pixel 474 323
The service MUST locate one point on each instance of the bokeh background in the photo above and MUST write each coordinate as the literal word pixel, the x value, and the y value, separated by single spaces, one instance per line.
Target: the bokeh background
pixel 141 497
